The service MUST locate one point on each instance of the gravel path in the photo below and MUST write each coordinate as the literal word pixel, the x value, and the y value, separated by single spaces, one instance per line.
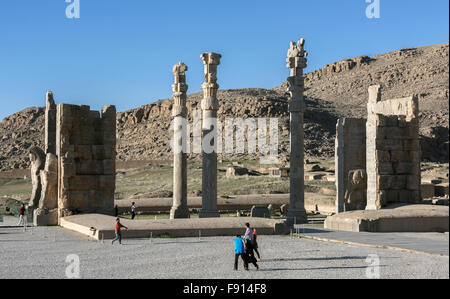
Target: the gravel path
pixel 41 253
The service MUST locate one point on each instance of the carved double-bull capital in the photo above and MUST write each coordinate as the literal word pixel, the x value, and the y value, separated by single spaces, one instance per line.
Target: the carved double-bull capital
pixel 210 87
pixel 296 62
pixel 179 89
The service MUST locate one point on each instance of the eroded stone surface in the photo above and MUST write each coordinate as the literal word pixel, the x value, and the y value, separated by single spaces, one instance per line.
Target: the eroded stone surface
pixel 296 62
pixel 393 150
pixel 86 154
pixel 179 207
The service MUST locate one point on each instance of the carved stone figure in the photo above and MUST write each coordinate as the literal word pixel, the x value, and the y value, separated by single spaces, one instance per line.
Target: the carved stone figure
pixel 356 194
pixel 37 157
pixel 49 181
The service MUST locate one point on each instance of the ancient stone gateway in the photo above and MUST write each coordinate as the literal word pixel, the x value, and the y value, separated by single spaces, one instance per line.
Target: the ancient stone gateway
pixel 210 105
pixel 296 62
pixel 378 161
pixel 76 174
pixel 179 111
pixel 393 150
pixel 350 164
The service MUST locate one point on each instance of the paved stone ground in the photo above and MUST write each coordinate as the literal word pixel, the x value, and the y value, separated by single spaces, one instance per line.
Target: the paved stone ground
pixel 10 221
pixel 41 253
pixel 436 243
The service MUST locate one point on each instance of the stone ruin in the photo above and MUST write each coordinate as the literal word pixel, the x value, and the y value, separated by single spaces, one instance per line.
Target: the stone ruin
pixel 350 153
pixel 393 150
pixel 378 160
pixel 76 172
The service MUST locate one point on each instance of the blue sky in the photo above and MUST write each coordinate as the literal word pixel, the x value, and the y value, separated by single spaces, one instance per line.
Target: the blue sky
pixel 121 52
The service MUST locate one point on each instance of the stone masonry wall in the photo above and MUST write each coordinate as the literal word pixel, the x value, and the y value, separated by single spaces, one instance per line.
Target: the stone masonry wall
pixel 85 148
pixel 393 151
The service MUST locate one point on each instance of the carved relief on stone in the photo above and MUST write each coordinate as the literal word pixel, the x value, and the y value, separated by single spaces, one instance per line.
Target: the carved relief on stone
pixel 210 87
pixel 37 157
pixel 179 89
pixel 296 61
pixel 49 180
pixel 356 193
pixel 50 102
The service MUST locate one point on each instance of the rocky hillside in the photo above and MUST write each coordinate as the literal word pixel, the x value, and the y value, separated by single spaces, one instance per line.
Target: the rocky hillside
pixel 337 90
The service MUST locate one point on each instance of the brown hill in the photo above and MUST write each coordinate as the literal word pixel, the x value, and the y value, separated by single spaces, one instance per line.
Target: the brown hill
pixel 338 89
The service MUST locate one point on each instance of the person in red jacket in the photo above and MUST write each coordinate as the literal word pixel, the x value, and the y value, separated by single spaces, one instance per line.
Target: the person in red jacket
pixel 117 231
pixel 255 244
pixel 21 215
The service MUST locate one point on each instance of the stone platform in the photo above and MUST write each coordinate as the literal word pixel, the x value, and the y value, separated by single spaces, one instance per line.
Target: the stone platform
pixel 100 226
pixel 396 218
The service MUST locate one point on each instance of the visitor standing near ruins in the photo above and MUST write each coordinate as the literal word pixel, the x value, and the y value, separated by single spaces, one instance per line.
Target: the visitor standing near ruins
pixel 133 210
pixel 249 248
pixel 249 253
pixel 117 231
pixel 248 232
pixel 21 215
pixel 255 244
pixel 239 251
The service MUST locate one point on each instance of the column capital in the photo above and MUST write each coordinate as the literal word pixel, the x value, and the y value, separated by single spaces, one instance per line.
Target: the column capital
pixel 179 89
pixel 211 61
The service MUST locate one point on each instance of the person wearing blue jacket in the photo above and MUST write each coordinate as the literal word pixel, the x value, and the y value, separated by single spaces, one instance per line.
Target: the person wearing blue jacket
pixel 239 250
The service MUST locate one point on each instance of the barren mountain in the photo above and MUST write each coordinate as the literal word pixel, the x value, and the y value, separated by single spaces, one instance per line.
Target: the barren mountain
pixel 337 90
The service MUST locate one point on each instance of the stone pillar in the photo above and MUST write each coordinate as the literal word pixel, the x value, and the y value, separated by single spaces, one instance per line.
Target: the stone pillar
pixel 179 112
pixel 350 164
pixel 339 166
pixel 372 190
pixel 296 62
pixel 50 125
pixel 210 105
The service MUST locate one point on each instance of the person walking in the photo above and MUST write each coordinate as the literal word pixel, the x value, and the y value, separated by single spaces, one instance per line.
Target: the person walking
pixel 255 244
pixel 117 231
pixel 133 210
pixel 249 254
pixel 248 232
pixel 21 215
pixel 239 250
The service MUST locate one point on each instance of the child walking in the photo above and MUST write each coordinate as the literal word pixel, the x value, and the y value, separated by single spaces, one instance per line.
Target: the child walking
pixel 117 231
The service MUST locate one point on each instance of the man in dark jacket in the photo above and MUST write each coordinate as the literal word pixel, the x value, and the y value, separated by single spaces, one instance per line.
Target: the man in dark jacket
pixel 249 253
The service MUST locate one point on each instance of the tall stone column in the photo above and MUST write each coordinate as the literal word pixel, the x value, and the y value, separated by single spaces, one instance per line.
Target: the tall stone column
pixel 296 62
pixel 210 105
pixel 50 124
pixel 179 112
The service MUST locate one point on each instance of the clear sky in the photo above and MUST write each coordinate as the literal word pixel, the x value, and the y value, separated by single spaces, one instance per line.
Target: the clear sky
pixel 121 52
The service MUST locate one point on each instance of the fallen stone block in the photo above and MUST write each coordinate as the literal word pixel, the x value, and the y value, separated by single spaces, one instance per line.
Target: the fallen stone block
pixel 441 190
pixel 427 190
pixel 260 212
pixel 236 171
